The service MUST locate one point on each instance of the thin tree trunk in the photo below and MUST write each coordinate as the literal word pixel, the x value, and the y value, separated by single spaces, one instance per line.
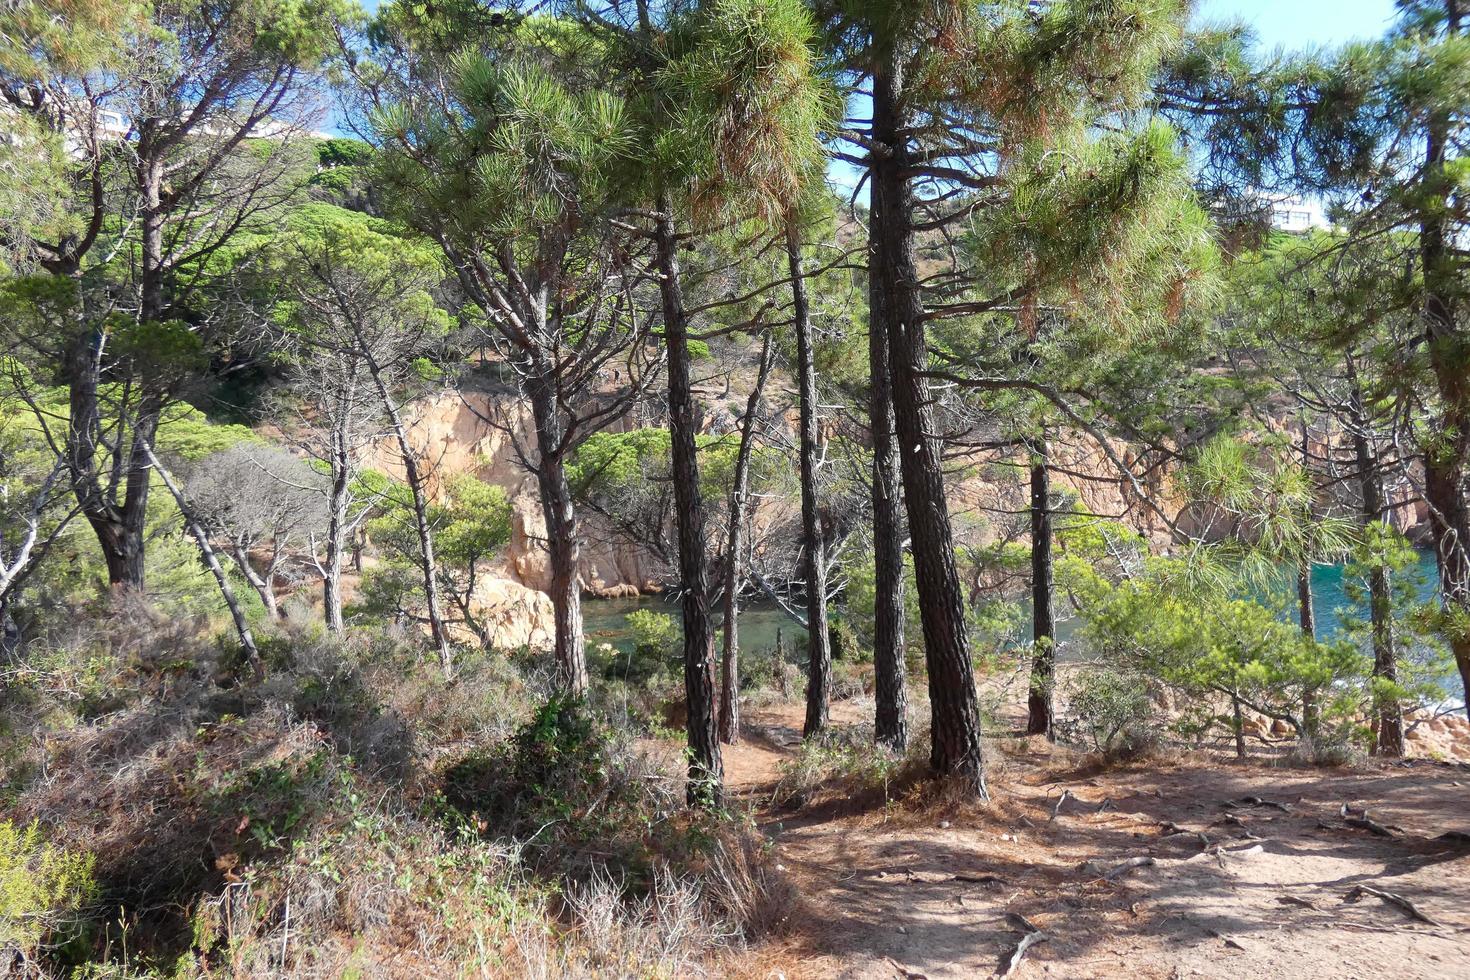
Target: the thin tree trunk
pixel 734 546
pixel 337 505
pixel 706 771
pixel 563 548
pixel 211 561
pixel 428 566
pixel 956 750
pixel 240 553
pixel 819 646
pixel 1306 612
pixel 1039 705
pixel 890 723
pixel 1238 720
pixel 1390 719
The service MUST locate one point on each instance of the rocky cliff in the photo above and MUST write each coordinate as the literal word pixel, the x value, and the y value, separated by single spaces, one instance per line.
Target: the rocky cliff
pixel 486 432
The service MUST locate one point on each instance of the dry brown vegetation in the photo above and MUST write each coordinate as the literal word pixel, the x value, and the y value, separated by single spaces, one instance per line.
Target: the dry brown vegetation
pixel 322 824
pixel 357 816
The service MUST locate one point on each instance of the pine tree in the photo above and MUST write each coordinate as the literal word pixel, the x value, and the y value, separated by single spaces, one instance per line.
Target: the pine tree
pixel 1373 129
pixel 962 97
pixel 508 163
pixel 725 96
pixel 209 98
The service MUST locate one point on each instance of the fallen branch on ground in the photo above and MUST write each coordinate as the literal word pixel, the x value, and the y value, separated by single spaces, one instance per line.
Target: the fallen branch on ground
pixel 1056 811
pixel 1359 891
pixel 1117 871
pixel 1031 938
pixel 1250 802
pixel 1360 819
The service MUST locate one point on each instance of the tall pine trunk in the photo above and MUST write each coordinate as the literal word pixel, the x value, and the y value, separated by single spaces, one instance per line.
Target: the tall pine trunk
pixel 1039 703
pixel 1447 460
pixel 563 548
pixel 819 647
pixel 338 499
pixel 890 723
pixel 955 715
pixel 734 546
pixel 126 565
pixel 706 771
pixel 1306 613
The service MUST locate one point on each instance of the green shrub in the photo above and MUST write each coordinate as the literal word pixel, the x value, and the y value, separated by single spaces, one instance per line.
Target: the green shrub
pixel 566 785
pixel 654 634
pixel 44 890
pixel 1114 711
pixel 343 151
pixel 845 645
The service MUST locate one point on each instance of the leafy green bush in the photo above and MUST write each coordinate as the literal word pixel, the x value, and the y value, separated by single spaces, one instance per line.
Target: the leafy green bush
pixel 1113 711
pixel 44 890
pixel 343 152
pixel 565 786
pixel 1200 632
pixel 654 634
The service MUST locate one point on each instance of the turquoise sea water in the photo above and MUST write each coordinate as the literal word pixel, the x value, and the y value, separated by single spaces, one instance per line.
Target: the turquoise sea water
pixel 760 622
pixel 1330 601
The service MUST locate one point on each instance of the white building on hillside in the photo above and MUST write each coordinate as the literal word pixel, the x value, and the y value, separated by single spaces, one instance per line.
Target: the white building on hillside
pixel 1296 214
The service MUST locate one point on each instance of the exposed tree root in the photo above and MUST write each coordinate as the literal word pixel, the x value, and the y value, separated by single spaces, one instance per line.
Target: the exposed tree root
pixel 1359 891
pixel 1250 802
pixel 1172 829
pixel 1056 811
pixel 1133 863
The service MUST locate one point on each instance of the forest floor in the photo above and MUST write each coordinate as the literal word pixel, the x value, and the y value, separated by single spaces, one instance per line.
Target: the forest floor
pixel 1270 891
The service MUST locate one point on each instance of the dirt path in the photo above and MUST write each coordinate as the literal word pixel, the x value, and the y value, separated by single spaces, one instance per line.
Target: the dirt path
pixel 892 892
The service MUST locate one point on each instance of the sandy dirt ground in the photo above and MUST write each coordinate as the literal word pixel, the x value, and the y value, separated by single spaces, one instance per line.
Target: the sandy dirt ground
pixel 1270 890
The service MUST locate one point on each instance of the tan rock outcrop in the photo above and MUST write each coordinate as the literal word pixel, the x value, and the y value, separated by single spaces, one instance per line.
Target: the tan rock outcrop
pixel 476 432
pixel 514 616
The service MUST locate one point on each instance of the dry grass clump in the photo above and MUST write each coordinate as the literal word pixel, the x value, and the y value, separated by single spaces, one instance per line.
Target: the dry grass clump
pixel 308 827
pixel 843 765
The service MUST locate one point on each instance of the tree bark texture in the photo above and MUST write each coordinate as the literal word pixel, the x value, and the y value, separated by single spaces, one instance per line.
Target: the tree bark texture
pixel 955 715
pixel 814 566
pixel 1039 700
pixel 706 773
pixel 890 721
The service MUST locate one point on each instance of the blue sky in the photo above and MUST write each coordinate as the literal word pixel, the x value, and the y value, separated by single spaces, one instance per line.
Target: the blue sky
pixel 1304 23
